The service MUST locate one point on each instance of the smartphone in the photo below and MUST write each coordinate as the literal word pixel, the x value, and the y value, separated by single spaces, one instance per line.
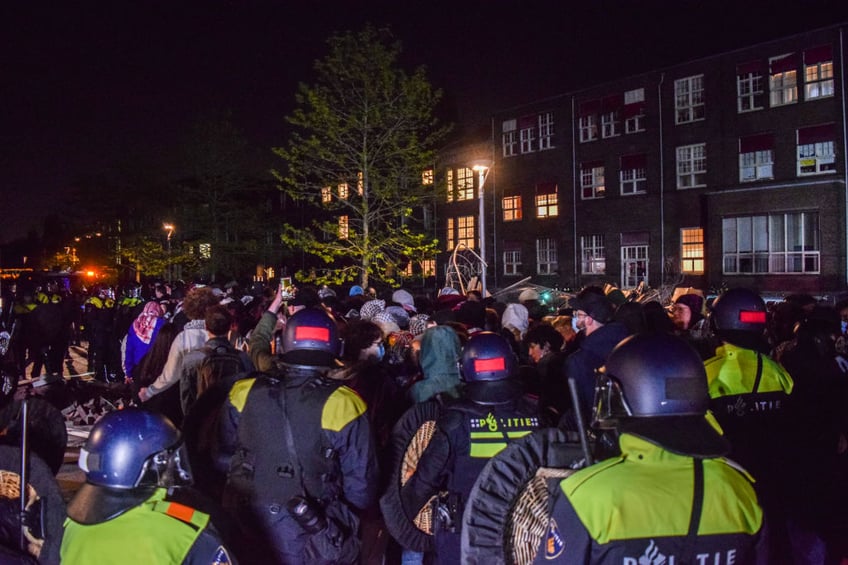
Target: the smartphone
pixel 286 287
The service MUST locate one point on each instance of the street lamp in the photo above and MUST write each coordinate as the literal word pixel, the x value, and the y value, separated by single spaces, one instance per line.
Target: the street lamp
pixel 170 229
pixel 482 169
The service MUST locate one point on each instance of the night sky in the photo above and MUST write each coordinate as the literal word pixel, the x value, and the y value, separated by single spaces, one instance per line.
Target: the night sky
pixel 87 84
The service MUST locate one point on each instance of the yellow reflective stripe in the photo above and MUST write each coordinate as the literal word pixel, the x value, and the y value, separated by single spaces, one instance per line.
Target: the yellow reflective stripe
pixel 239 392
pixel 498 435
pixel 486 450
pixel 342 407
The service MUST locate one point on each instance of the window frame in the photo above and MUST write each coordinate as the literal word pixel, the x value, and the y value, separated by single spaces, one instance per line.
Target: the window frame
pixel 512 262
pixel 593 259
pixel 637 181
pixel 694 174
pixel 765 244
pixel 689 100
pixel 592 183
pixel 513 212
pixel 588 127
pixel 547 251
pixel 546 131
pixel 783 85
pixel 692 251
pixel 547 205
pixel 755 96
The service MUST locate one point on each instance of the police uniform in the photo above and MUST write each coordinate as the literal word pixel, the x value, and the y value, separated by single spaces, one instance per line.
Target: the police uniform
pixel 156 531
pixel 467 435
pixel 638 508
pixel 750 398
pixel 335 461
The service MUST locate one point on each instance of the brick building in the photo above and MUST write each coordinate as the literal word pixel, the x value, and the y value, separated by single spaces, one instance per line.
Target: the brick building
pixel 726 170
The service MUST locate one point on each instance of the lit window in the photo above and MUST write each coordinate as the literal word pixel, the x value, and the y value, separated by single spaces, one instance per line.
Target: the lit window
pixel 360 183
pixel 546 256
pixel 773 243
pixel 592 255
pixel 451 186
pixel 205 250
pixel 511 261
pixel 749 87
pixel 816 150
pixel 756 157
pixel 633 111
pixel 464 184
pixel 818 72
pixel 343 191
pixel 326 195
pixel 692 251
pixel 689 99
pixel 427 177
pixel 511 208
pixel 546 130
pixel 592 180
pixel 783 85
pixel 428 268
pixel 344 227
pixel 460 231
pixel 692 166
pixel 510 138
pixel 633 175
pixel 546 205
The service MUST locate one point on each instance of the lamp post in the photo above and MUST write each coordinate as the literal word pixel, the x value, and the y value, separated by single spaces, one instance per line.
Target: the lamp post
pixel 482 169
pixel 170 229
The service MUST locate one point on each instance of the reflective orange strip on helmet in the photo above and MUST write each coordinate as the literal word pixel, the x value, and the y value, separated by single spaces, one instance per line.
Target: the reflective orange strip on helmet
pixel 483 365
pixel 311 332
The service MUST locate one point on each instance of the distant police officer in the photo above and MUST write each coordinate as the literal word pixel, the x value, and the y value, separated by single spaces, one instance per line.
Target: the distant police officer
pixel 669 497
pixel 303 460
pixel 121 514
pixel 752 399
pixel 469 432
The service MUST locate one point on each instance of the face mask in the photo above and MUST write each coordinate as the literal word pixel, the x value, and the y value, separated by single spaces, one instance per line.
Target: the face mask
pixel 381 352
pixel 574 324
pixel 844 326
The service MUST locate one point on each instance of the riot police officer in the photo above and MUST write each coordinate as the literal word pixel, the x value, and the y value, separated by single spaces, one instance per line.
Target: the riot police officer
pixel 123 514
pixel 670 497
pixel 471 430
pixel 297 447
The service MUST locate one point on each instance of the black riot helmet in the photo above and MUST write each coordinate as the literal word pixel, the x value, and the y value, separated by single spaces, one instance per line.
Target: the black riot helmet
pixel 655 386
pixel 311 338
pixel 487 357
pixel 487 365
pixel 739 317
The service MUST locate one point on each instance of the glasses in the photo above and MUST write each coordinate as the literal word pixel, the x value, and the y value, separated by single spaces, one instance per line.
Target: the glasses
pixel 580 314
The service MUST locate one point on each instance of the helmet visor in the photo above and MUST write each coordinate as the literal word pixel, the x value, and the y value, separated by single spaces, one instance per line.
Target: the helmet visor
pixel 609 405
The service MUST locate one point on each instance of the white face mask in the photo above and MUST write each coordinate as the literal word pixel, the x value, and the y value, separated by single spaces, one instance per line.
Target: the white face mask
pixel 844 326
pixel 574 324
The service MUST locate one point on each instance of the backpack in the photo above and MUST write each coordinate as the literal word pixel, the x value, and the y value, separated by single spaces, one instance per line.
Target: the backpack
pixel 220 366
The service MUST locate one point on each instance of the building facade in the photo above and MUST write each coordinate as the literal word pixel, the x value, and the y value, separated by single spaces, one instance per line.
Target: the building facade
pixel 724 171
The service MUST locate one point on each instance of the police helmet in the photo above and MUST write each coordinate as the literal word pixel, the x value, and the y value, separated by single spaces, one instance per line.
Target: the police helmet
pixel 487 357
pixel 739 317
pixel 649 378
pixel 311 338
pixel 127 455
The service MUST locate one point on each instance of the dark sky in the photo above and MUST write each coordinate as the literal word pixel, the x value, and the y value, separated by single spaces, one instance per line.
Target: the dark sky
pixel 86 84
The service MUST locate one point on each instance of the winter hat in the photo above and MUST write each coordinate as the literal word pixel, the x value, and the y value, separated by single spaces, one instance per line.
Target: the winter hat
pixel 355 290
pixel 326 292
pixel 399 315
pixel 447 291
pixel 371 309
pixel 405 299
pixel 594 304
pixel 527 295
pixel 694 302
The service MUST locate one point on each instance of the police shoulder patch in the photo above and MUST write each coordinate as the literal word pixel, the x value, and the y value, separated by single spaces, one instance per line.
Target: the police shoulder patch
pixel 554 544
pixel 221 557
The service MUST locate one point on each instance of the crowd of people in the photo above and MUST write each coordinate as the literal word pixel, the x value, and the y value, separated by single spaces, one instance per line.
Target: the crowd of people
pixel 288 408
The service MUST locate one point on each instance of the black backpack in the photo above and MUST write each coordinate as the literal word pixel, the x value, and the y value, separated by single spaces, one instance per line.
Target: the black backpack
pixel 220 366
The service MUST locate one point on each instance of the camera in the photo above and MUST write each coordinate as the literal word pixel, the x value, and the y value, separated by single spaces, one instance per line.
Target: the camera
pixel 307 514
